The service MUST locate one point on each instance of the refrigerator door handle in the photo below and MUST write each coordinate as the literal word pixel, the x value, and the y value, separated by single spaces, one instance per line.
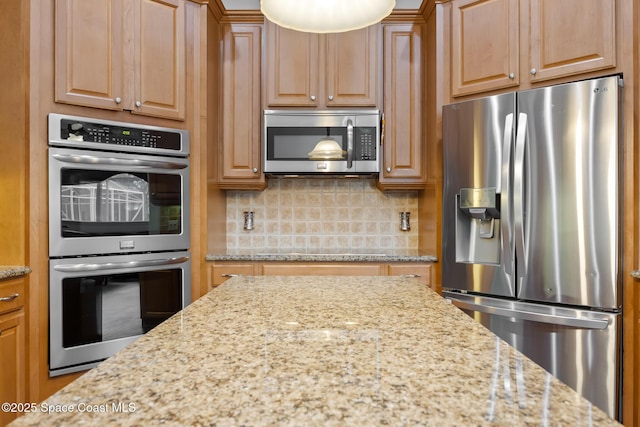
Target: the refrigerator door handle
pixel 523 314
pixel 506 220
pixel 518 195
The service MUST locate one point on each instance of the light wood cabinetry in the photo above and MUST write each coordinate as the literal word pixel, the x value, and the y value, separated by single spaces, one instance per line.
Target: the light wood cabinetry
pixel 549 38
pixel 12 345
pixel 422 271
pixel 220 271
pixel 122 55
pixel 321 269
pixel 321 70
pixel 240 160
pixel 404 143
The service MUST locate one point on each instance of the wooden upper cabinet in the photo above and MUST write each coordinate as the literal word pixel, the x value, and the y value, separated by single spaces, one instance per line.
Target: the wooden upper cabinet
pixel 484 45
pixel 240 159
pixel 351 77
pixel 121 55
pixel 403 144
pixel 159 42
pixel 88 57
pixel 497 44
pixel 291 67
pixel 321 71
pixel 571 37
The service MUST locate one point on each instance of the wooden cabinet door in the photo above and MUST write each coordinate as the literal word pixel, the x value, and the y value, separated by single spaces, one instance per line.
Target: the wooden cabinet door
pixel 12 361
pixel 320 269
pixel 484 45
pixel 240 106
pixel 560 47
pixel 422 271
pixel 88 56
pixel 122 55
pixel 351 77
pixel 159 40
pixel 403 144
pixel 220 273
pixel 291 67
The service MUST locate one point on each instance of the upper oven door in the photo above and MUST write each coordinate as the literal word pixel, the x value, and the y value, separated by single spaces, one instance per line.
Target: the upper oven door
pixel 103 203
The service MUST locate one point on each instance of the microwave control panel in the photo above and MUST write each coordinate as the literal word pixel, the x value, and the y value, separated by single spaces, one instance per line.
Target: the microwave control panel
pixel 365 143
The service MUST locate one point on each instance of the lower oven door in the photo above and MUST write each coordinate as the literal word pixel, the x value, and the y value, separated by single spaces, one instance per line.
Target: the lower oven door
pixel 99 305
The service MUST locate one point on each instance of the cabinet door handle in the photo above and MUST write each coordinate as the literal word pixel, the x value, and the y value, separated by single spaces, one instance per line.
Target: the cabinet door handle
pixel 330 97
pixel 118 100
pixel 313 97
pixel 255 170
pixel 138 104
pixel 512 76
pixel 9 298
pixel 533 71
pixel 388 169
pixel 229 275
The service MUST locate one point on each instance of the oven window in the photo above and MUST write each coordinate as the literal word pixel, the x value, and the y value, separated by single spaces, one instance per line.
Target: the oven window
pixel 292 143
pixel 108 307
pixel 106 203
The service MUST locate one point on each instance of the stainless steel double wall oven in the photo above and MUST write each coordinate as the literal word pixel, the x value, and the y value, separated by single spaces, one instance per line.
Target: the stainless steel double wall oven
pixel 119 236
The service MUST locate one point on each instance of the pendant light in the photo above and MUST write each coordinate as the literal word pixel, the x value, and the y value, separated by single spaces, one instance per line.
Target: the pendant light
pixel 326 16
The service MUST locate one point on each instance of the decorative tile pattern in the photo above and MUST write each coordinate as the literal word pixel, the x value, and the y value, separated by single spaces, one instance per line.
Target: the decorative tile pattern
pixel 328 214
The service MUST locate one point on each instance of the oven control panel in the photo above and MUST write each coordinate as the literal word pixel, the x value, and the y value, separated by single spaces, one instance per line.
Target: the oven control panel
pixel 119 135
pixel 116 136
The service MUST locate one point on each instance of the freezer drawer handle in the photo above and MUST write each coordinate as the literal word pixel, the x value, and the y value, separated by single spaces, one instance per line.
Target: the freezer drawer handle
pixel 69 268
pixel 536 317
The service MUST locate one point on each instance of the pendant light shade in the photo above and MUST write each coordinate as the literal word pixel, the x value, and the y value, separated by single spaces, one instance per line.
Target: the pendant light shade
pixel 326 16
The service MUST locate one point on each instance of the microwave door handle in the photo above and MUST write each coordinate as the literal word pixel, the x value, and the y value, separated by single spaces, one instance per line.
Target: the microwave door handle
pixel 74 268
pixel 115 161
pixel 349 144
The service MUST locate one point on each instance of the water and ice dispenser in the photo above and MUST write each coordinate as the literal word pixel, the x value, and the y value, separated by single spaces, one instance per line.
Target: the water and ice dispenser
pixel 478 226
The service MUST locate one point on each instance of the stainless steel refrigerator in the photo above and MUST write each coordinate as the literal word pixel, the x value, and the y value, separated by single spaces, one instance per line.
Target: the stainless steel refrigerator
pixel 531 237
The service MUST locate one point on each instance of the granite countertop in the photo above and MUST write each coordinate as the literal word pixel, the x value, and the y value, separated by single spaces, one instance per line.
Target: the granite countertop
pixel 9 271
pixel 328 351
pixel 325 255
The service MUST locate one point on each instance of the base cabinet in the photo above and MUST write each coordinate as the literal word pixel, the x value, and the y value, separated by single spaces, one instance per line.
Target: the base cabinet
pixel 12 346
pixel 220 271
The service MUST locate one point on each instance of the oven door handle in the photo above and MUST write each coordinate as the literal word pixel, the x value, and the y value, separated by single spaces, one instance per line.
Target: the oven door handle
pixel 71 268
pixel 133 163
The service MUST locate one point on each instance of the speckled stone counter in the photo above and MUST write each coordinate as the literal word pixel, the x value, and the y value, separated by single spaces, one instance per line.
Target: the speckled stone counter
pixel 325 255
pixel 9 271
pixel 325 351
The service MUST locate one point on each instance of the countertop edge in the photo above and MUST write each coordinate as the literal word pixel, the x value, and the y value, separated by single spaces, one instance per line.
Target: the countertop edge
pixel 10 271
pixel 322 257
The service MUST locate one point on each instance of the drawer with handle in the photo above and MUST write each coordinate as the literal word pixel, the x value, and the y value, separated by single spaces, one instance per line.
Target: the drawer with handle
pixel 11 295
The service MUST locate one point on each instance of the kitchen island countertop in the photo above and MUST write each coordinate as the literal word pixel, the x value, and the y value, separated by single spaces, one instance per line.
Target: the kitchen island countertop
pixel 329 350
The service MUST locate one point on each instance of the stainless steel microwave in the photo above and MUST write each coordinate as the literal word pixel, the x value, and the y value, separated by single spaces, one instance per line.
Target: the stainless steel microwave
pixel 321 142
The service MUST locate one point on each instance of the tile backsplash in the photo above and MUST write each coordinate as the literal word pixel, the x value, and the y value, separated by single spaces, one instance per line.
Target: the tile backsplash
pixel 337 214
